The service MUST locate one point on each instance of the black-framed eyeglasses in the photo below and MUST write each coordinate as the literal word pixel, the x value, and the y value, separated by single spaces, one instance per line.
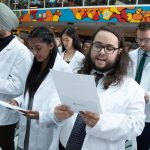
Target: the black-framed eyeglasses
pixel 97 47
pixel 144 40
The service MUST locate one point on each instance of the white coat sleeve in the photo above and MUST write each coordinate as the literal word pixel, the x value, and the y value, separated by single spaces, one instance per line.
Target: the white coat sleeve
pixel 121 126
pixel 14 84
pixel 47 117
pixel 19 99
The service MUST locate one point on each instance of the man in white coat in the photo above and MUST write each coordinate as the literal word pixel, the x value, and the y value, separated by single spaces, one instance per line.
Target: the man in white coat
pixel 15 61
pixel 121 99
pixel 142 77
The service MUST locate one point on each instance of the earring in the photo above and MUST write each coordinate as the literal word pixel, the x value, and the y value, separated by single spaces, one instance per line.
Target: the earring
pixel 51 51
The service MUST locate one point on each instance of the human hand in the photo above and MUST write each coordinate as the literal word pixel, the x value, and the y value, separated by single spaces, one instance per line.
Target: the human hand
pixel 31 114
pixel 90 118
pixel 13 102
pixel 146 97
pixel 62 112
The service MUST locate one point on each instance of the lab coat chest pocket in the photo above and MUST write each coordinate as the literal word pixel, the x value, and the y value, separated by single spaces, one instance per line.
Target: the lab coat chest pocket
pixel 145 78
pixel 43 97
pixel 6 67
pixel 116 101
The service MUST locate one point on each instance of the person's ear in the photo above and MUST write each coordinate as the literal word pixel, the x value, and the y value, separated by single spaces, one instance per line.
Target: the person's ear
pixel 51 45
pixel 120 50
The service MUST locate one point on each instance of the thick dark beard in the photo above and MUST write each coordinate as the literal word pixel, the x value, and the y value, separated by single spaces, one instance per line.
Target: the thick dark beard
pixel 105 69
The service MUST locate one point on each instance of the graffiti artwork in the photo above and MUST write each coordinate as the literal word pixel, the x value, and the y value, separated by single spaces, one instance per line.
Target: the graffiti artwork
pixel 99 14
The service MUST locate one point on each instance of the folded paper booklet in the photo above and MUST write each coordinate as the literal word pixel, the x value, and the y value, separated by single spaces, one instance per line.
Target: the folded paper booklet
pixel 77 91
pixel 7 105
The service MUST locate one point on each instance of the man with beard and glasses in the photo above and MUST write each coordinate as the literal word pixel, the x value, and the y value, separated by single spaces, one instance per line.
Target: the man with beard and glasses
pixel 121 100
pixel 15 61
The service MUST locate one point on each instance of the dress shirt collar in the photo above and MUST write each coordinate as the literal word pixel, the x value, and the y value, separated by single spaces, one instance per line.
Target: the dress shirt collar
pixel 93 71
pixel 141 51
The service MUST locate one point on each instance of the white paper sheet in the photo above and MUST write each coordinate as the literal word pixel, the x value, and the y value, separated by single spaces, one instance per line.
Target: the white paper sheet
pixel 77 91
pixel 16 108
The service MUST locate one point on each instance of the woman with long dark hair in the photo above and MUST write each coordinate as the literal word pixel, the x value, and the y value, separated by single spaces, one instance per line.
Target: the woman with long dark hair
pixel 71 49
pixel 40 94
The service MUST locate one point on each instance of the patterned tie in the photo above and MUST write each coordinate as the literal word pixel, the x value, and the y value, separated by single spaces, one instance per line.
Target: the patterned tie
pixel 140 68
pixel 77 135
pixel 98 76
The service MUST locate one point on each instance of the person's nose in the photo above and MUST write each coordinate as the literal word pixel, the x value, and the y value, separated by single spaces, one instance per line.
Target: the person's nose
pixel 142 43
pixel 102 51
pixel 64 42
pixel 34 52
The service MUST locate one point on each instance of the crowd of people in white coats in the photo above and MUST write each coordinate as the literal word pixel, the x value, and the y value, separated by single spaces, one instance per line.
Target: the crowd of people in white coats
pixel 25 80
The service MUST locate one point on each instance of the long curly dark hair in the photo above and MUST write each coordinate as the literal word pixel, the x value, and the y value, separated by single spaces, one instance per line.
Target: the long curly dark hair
pixel 115 76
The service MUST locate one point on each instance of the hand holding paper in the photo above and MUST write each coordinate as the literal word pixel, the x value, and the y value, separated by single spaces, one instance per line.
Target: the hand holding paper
pixel 77 91
pixel 13 107
pixel 62 112
pixel 13 102
pixel 90 119
pixel 31 114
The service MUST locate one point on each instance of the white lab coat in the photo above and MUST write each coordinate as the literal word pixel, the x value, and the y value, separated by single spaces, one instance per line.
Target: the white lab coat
pixel 122 118
pixel 45 99
pixel 76 61
pixel 145 80
pixel 15 62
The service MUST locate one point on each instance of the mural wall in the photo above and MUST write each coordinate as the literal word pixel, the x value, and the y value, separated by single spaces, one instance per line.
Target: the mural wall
pixel 99 14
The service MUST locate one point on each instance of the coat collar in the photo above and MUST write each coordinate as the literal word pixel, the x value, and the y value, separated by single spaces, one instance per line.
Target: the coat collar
pixel 48 78
pixel 10 46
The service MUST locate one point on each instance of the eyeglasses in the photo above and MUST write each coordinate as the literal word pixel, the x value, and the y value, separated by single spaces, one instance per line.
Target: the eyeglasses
pixel 144 40
pixel 97 47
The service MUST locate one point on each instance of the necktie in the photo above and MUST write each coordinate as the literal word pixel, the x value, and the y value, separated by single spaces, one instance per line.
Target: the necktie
pixel 98 76
pixel 140 68
pixel 77 135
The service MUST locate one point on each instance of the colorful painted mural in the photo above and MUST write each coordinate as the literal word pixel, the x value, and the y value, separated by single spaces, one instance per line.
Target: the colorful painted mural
pixel 93 14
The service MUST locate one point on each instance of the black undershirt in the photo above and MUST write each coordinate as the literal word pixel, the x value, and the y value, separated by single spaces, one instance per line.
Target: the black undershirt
pixel 5 41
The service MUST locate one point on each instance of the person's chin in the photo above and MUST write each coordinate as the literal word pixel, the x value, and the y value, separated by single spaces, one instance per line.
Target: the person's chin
pixel 39 60
pixel 100 64
pixel 100 67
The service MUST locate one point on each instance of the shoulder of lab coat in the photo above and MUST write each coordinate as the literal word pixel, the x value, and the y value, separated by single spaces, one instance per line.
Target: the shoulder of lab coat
pixel 133 64
pixel 134 52
pixel 61 65
pixel 60 49
pixel 134 55
pixel 19 99
pixel 122 126
pixel 14 83
pixel 76 61
pixel 48 118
